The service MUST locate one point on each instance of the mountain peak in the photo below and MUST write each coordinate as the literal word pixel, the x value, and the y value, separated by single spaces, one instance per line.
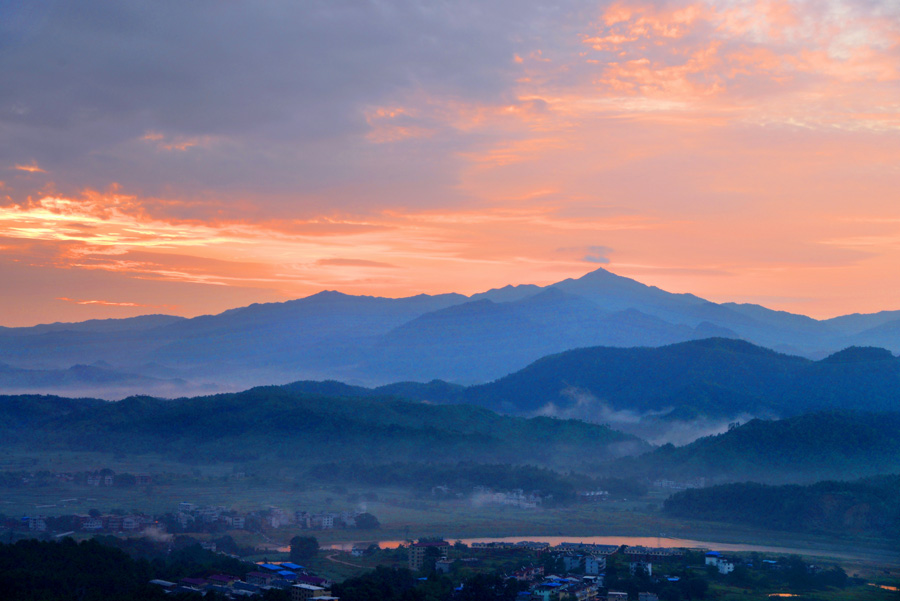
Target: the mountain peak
pixel 326 294
pixel 600 275
pixel 599 272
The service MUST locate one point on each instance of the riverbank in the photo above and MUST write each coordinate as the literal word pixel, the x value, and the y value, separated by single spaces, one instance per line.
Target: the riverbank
pixel 640 523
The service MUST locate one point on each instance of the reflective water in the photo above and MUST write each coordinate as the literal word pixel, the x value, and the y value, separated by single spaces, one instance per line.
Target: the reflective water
pixel 632 541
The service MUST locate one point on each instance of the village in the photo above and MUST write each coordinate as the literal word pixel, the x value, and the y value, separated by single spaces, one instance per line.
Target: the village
pixel 301 583
pixel 568 571
pixel 539 571
pixel 579 570
pixel 189 518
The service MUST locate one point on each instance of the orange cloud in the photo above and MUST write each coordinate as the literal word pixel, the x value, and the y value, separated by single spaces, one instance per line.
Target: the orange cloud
pixel 354 263
pixel 113 303
pixel 32 168
pixel 179 143
pixel 393 124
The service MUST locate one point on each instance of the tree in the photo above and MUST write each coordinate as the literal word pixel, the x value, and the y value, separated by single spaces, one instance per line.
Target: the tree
pixel 432 554
pixel 303 548
pixel 696 588
pixel 367 521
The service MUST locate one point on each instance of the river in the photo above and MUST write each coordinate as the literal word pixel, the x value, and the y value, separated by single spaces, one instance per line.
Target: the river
pixel 632 541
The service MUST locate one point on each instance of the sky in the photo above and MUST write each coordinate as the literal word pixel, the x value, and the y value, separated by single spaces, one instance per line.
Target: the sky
pixel 190 157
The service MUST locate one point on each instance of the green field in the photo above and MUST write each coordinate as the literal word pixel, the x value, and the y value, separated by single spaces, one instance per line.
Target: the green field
pixel 403 514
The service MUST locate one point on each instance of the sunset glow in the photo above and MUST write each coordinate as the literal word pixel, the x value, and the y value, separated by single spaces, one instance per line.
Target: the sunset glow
pixel 740 150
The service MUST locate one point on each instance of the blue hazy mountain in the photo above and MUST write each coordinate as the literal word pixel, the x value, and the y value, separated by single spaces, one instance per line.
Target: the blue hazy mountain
pixel 372 341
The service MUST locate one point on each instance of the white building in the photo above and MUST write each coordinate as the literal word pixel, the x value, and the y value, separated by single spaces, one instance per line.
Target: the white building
pixel 594 565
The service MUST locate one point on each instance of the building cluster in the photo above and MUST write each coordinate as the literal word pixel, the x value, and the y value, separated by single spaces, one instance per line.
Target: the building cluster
pixel 667 484
pixel 95 478
pixel 108 477
pixel 84 523
pixel 593 496
pixel 188 517
pixel 419 552
pixel 583 569
pixel 554 588
pixel 503 546
pixel 484 495
pixel 727 564
pixel 274 517
pixel 511 498
pixel 326 520
pixel 723 564
pixel 302 584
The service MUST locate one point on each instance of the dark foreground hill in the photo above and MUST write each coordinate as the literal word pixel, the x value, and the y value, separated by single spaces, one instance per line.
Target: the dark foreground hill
pixel 275 424
pixel 868 506
pixel 805 448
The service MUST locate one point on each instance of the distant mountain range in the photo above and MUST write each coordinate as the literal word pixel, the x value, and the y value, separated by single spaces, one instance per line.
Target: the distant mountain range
pixel 372 341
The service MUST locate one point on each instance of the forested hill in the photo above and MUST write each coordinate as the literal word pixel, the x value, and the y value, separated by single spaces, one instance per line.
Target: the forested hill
pixel 20 414
pixel 806 448
pixel 715 377
pixel 271 422
pixel 867 506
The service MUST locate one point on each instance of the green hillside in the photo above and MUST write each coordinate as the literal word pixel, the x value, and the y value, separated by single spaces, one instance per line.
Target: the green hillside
pixel 838 444
pixel 745 378
pixel 271 422
pixel 867 506
pixel 718 378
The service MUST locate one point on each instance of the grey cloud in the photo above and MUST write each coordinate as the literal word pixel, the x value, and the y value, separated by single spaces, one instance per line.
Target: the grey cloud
pixel 593 248
pixel 591 254
pixel 598 254
pixel 279 88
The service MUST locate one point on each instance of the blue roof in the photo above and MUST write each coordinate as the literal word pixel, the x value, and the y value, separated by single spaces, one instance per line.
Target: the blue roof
pixel 673 579
pixel 291 566
pixel 288 575
pixel 245 586
pixel 713 554
pixel 271 566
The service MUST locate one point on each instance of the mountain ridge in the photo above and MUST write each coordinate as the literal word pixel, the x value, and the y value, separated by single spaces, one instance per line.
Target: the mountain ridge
pixel 375 341
pixel 674 392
